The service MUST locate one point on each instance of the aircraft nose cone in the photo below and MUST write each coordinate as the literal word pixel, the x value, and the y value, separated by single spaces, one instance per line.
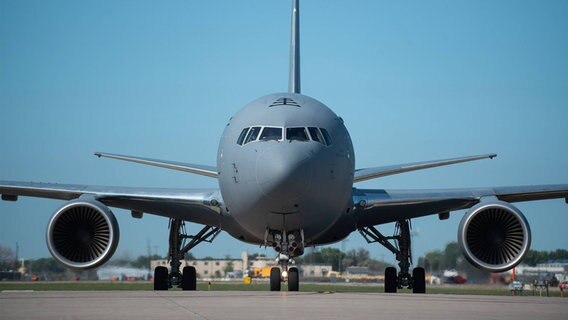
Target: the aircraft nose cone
pixel 283 174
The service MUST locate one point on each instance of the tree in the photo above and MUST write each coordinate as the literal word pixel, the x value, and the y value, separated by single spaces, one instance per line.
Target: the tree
pixel 45 266
pixel 534 257
pixel 452 258
pixel 356 257
pixel 452 255
pixel 228 268
pixel 143 262
pixel 312 257
pixel 376 265
pixel 7 258
pixel 432 261
pixel 332 256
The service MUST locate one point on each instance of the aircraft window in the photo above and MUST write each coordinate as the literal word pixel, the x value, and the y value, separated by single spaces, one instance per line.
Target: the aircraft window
pixel 252 134
pixel 242 136
pixel 316 135
pixel 271 133
pixel 299 134
pixel 327 137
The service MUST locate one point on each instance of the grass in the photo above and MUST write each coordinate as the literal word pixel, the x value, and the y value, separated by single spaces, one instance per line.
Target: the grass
pixel 260 286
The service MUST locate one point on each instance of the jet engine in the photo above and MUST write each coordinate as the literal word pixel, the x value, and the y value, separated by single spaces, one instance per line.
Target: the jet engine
pixel 82 234
pixel 494 236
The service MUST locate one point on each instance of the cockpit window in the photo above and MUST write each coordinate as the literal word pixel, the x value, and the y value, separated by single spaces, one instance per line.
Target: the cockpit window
pixel 242 136
pixel 271 133
pixel 261 133
pixel 316 134
pixel 298 134
pixel 327 137
pixel 252 134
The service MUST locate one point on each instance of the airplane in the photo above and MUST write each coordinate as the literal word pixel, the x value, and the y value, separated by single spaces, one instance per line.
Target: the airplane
pixel 287 180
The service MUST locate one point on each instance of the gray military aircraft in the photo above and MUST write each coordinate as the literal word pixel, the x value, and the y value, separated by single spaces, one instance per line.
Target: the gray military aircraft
pixel 286 173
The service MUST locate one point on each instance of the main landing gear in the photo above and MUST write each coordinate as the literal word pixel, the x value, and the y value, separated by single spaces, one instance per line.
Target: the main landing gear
pixel 402 251
pixel 177 250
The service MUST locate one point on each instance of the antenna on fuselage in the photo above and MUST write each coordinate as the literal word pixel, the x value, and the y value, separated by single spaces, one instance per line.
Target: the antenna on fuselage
pixel 294 81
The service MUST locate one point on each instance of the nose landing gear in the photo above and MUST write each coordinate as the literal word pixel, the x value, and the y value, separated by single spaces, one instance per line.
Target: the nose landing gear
pixel 291 275
pixel 288 245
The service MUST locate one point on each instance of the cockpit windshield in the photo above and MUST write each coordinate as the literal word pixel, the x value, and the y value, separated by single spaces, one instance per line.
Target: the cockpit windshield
pixel 315 134
pixel 252 134
pixel 298 134
pixel 271 133
pixel 261 133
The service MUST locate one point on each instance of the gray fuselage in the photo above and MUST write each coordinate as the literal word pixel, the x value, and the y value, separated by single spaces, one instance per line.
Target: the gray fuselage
pixel 286 163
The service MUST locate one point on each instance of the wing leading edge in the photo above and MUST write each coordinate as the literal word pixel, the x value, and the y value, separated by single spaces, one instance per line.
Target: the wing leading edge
pixel 377 172
pixel 196 205
pixel 376 206
pixel 208 171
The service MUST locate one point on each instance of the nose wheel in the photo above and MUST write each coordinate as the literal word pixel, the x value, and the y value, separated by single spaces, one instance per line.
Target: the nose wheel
pixel 293 279
pixel 292 276
pixel 275 279
pixel 288 245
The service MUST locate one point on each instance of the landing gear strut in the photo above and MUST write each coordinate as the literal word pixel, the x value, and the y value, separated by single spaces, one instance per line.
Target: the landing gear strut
pixel 288 245
pixel 403 254
pixel 177 250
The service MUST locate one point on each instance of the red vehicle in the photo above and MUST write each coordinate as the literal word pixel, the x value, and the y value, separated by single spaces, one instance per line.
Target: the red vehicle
pixel 563 286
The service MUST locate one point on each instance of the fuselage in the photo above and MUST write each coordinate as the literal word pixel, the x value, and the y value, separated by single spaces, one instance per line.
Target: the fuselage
pixel 286 164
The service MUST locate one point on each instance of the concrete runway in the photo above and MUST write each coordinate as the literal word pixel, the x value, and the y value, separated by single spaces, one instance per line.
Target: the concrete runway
pixel 271 305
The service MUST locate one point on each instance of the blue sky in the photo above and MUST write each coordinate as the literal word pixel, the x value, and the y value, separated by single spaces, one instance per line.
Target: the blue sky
pixel 413 80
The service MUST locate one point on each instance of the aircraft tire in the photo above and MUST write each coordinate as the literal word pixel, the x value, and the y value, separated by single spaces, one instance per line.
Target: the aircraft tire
pixel 275 279
pixel 161 278
pixel 293 279
pixel 189 279
pixel 419 276
pixel 390 280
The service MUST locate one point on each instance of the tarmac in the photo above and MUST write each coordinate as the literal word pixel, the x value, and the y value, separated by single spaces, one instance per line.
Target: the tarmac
pixel 271 305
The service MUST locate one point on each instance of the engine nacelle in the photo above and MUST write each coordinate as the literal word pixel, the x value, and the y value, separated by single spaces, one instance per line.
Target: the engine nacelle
pixel 82 234
pixel 494 236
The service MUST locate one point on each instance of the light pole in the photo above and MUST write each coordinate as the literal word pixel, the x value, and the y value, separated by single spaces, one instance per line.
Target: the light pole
pixel 343 252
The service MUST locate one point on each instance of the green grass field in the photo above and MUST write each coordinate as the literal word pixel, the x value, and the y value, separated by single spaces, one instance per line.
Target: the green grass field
pixel 234 286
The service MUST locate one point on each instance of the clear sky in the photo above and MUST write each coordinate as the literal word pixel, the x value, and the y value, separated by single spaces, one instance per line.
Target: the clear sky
pixel 413 80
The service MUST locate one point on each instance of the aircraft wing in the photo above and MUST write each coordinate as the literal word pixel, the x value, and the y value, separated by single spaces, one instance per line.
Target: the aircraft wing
pixel 196 205
pixel 377 172
pixel 375 206
pixel 208 171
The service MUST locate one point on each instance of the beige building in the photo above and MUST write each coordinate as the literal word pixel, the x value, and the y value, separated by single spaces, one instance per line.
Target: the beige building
pixel 315 270
pixel 218 268
pixel 211 268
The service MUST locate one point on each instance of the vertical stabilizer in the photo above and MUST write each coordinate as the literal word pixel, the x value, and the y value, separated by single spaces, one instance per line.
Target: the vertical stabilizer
pixel 294 81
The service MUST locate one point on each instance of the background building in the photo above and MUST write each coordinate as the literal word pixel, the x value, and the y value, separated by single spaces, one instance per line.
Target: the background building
pixel 237 268
pixel 212 268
